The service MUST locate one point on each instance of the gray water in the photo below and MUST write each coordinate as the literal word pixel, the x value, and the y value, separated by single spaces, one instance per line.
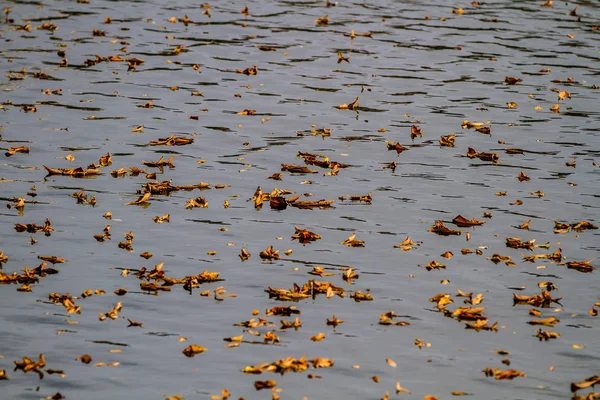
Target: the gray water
pixel 409 71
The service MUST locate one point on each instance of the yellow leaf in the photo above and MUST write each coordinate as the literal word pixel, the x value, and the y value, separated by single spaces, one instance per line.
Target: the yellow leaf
pixel 318 337
pixel 400 389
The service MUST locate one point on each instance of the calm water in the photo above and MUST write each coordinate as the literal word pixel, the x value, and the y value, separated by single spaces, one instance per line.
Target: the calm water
pixel 433 73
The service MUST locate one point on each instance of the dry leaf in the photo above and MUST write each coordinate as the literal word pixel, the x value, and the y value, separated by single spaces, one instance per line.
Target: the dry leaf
pixel 352 242
pixel 318 337
pixel 193 349
pixel 400 389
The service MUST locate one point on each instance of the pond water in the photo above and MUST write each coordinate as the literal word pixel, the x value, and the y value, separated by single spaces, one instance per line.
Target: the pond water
pixel 121 75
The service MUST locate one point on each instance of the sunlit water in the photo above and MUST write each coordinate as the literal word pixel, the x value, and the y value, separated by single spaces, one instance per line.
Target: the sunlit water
pixel 432 73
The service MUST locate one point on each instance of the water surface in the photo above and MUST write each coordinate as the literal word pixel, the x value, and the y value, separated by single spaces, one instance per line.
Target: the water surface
pixel 410 63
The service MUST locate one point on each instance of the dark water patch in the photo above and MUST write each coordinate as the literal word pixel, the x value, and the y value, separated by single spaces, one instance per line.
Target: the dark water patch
pixel 25 167
pixel 94 118
pixel 71 107
pixel 208 221
pixel 503 165
pixel 435 211
pixel 161 334
pixel 109 343
pixel 220 128
pixel 321 89
pixel 63 148
pixel 409 94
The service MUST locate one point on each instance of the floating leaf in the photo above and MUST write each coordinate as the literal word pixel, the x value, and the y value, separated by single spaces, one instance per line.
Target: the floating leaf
pixel 400 389
pixel 318 337
pixel 351 106
pixel 193 349
pixel 352 242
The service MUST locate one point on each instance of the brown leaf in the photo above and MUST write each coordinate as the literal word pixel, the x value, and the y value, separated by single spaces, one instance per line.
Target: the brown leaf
pixel 310 204
pixel 395 146
pixel 501 375
pixel 483 156
pixel 140 200
pixel 441 229
pixel 359 296
pixel 334 321
pixel 352 242
pixel 269 254
pixel 19 149
pixel 172 140
pixel 582 226
pixel 134 323
pixel 550 321
pixel 496 258
pixel 462 222
pixel 481 324
pixel 415 131
pixel 320 271
pixel 260 385
pixel 297 169
pixel 407 244
pixel 447 141
pixel 248 71
pixel 562 95
pixel 160 163
pixel 318 337
pixel 400 389
pixel 162 218
pixel 234 339
pixel 52 259
pixel 351 106
pixel 581 266
pixel 349 274
pixel 74 172
pixel 586 383
pixel 522 177
pixel 86 359
pixel 516 243
pixel 193 349
pixel 525 225
pixel 112 314
pixel 512 81
pixel 198 202
pixel 472 125
pixel 433 265
pixel 244 254
pixel 342 58
pixel 304 235
pixel 323 20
